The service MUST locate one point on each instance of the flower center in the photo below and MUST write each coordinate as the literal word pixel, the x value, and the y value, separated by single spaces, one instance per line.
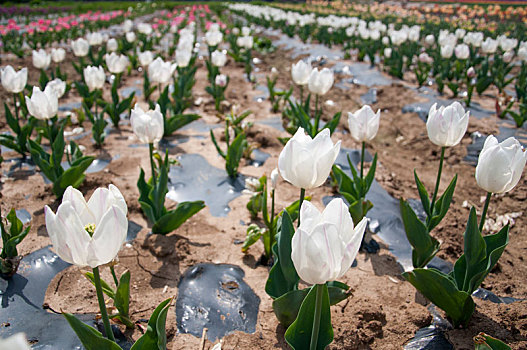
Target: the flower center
pixel 90 228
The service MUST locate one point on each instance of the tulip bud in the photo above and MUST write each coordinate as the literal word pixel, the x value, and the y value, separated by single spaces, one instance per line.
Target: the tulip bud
pixel 15 342
pixel 500 165
pixel 388 52
pixel 325 244
pixel 471 72
pixel 430 40
pixel 507 56
pixel 116 63
pixel 130 37
pixel 385 40
pixel 320 82
pixel 218 58
pixel 246 31
pixel 446 126
pixel 42 104
pixel 112 45
pixel 94 77
pixel 236 31
pixel 58 55
pixel 147 126
pixel 41 59
pixel 424 58
pixel 145 58
pixel 221 80
pixel 12 80
pixel 274 178
pixel 88 233
pixel 364 124
pixel 80 47
pixel 57 86
pixel 300 72
pixel 305 162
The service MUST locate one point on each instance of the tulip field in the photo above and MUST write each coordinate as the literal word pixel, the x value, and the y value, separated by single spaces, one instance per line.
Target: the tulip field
pixel 319 175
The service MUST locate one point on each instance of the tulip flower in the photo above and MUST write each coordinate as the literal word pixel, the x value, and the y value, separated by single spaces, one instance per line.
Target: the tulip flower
pixel 430 39
pixel 213 38
pixel 325 244
pixel 388 52
pixel 489 46
pixel 300 72
pixel 12 80
pixel 218 58
pixel 127 25
pixel 160 71
pixel 94 77
pixel 320 81
pixel 89 233
pixel 274 178
pixel 364 124
pixel 221 80
pixel 147 126
pixel 130 37
pixel 15 342
pixel 58 55
pixel 58 86
pixel 447 125
pixel 145 58
pixel 43 104
pixel 80 47
pixel 462 51
pixel 447 51
pixel 499 169
pixel 41 59
pixel 116 63
pixel 245 42
pixel 183 58
pixel 112 45
pixel 144 28
pixel 94 39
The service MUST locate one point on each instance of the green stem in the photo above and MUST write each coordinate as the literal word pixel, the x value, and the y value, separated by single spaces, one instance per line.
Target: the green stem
pixel 102 305
pixel 484 214
pixel 301 94
pixel 50 131
pixel 317 116
pixel 362 159
pixel 115 280
pixel 16 108
pixel 316 318
pixel 152 164
pixel 438 180
pixel 302 195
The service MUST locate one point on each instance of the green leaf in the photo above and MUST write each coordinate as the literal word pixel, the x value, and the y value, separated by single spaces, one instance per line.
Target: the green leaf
pixel 105 286
pixel 441 290
pixel 333 123
pixel 235 154
pixel 73 176
pixel 424 246
pixel 443 203
pixel 298 335
pixel 179 121
pixel 90 338
pixel 221 153
pixel 423 194
pixel 368 180
pixel 485 342
pixel 282 276
pixel 155 335
pixel 345 183
pixel 175 218
pixel 122 299
pixel 253 235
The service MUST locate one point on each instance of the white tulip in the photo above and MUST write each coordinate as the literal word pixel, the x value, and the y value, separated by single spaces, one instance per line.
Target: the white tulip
pixel 364 124
pixel 221 80
pixel 12 80
pixel 218 58
pixel 15 342
pixel 489 46
pixel 43 104
pixel 58 86
pixel 274 178
pixel 94 39
pixel 58 55
pixel 213 38
pixel 462 51
pixel 41 59
pixel 446 126
pixel 130 37
pixel 430 39
pixel 88 233
pixel 116 63
pixel 300 72
pixel 388 52
pixel 160 71
pixel 80 47
pixel 144 28
pixel 507 44
pixel 145 58
pixel 325 244
pixel 305 162
pixel 447 51
pixel 508 56
pixel 183 58
pixel 127 25
pixel 94 77
pixel 500 165
pixel 245 42
pixel 112 45
pixel 320 81
pixel 147 126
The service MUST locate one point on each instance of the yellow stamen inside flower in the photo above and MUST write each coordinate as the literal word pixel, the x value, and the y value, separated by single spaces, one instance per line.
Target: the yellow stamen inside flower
pixel 90 228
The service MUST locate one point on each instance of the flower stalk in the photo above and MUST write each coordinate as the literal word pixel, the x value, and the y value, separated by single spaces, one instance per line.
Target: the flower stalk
pixel 102 305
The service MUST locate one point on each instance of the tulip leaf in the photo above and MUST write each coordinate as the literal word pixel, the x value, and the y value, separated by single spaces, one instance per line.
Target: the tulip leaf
pixel 73 176
pixel 253 235
pixel 480 256
pixel 424 246
pixel 282 276
pixel 221 153
pixel 179 121
pixel 344 183
pixel 155 335
pixel 358 209
pixel 368 180
pixel 441 206
pixel 287 306
pixel 11 238
pixel 485 342
pixel 423 194
pixel 441 290
pixel 235 154
pixel 104 285
pixel 175 218
pixel 333 123
pixel 90 338
pixel 298 335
